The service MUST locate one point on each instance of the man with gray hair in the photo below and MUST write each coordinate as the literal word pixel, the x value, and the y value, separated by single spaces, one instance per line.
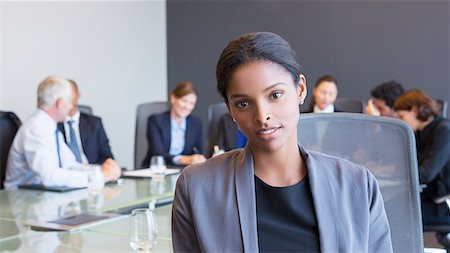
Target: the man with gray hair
pixel 39 154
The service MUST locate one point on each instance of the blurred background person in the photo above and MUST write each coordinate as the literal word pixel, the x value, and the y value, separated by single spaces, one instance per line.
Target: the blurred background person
pixel 228 136
pixel 84 134
pixel 176 134
pixel 433 152
pixel 325 93
pixel 383 98
pixel 39 155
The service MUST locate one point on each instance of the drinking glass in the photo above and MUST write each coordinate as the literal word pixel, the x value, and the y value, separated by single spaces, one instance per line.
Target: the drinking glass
pixel 158 166
pixel 95 181
pixel 143 230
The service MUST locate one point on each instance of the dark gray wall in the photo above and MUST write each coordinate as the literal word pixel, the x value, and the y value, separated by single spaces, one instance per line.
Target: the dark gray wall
pixel 362 43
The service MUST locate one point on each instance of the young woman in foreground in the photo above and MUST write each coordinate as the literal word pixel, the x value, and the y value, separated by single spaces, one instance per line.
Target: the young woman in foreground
pixel 273 195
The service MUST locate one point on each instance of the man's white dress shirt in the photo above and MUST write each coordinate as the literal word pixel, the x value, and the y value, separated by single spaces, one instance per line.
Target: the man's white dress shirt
pixel 33 157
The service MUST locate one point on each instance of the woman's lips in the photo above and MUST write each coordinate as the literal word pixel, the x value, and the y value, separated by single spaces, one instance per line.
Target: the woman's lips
pixel 267 133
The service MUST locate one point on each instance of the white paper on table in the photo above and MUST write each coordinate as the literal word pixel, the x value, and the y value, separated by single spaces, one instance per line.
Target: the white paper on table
pixel 147 172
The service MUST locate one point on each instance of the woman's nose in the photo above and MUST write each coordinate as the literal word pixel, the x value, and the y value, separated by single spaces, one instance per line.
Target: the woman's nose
pixel 262 115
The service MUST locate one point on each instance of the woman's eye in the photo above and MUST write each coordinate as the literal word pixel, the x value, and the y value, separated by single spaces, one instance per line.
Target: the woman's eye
pixel 242 104
pixel 277 94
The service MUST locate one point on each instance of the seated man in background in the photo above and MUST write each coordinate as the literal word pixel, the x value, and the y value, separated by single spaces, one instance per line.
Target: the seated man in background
pixel 384 96
pixel 39 155
pixel 90 144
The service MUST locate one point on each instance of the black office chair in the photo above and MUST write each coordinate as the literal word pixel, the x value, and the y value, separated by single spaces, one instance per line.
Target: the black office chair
pixel 143 111
pixel 9 124
pixel 215 112
pixel 385 146
pixel 85 109
pixel 350 105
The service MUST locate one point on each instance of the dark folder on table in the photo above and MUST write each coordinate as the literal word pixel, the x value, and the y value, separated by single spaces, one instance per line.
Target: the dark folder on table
pixel 49 188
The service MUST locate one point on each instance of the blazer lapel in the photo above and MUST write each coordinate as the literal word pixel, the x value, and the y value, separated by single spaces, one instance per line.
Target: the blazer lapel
pixel 166 130
pixel 246 200
pixel 188 140
pixel 83 128
pixel 323 203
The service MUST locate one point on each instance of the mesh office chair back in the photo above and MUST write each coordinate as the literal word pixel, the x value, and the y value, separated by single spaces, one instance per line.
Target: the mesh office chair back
pixel 140 142
pixel 85 109
pixel 215 111
pixel 9 124
pixel 385 146
pixel 350 105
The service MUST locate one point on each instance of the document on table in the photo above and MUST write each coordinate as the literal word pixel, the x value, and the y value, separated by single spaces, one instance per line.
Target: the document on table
pixel 143 173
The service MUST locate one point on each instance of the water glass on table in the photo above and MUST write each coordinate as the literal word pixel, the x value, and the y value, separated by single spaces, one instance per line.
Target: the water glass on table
pixel 158 166
pixel 95 181
pixel 143 230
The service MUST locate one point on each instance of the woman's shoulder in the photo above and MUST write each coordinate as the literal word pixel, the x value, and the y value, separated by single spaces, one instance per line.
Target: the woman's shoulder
pixel 158 116
pixel 321 163
pixel 443 124
pixel 194 118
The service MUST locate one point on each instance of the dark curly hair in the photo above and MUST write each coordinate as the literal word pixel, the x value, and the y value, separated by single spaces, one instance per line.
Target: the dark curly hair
pixel 388 92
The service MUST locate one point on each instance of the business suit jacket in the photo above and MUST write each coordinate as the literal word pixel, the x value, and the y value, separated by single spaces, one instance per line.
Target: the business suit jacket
pixel 433 148
pixel 214 208
pixel 159 136
pixel 93 138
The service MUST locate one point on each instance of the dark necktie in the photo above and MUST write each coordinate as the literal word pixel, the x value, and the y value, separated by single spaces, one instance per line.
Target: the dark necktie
pixel 73 144
pixel 57 147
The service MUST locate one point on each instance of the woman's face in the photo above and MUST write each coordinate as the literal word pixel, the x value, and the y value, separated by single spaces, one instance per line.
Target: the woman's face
pixel 325 94
pixel 410 117
pixel 263 100
pixel 183 106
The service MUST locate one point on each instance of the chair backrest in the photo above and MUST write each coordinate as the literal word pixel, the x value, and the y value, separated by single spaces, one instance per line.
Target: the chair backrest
pixel 385 146
pixel 85 109
pixel 9 124
pixel 443 107
pixel 350 105
pixel 215 111
pixel 143 111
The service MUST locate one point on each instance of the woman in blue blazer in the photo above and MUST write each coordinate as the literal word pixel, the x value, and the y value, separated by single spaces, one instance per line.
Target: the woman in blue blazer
pixel 272 195
pixel 176 134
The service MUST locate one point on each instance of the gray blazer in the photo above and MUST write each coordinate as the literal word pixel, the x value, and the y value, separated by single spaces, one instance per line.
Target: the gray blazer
pixel 214 208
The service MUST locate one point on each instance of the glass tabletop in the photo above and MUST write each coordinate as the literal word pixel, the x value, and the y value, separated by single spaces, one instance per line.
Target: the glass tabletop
pixel 23 205
pixel 106 237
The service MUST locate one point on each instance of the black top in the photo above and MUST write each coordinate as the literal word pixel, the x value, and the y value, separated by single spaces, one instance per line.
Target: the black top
pixel 286 218
pixel 433 150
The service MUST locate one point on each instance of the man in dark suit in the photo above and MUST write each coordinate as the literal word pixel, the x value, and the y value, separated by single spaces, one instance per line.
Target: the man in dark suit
pixel 84 134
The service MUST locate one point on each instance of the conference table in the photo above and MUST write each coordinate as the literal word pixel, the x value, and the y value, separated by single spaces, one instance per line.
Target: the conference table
pixel 20 207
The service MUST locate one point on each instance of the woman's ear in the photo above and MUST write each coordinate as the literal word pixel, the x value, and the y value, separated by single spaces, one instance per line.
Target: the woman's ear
pixel 301 90
pixel 172 99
